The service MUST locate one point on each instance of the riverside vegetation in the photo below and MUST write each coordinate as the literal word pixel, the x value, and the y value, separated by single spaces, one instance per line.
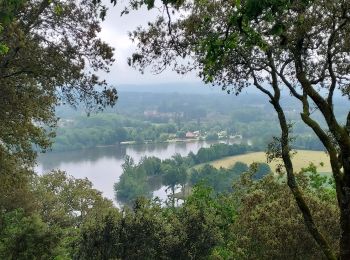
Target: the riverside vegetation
pixel 164 117
pixel 151 173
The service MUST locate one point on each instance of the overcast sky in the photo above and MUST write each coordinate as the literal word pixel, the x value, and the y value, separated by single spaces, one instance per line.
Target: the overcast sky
pixel 115 32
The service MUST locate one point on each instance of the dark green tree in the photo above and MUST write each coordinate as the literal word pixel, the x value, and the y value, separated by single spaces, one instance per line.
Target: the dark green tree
pixel 133 183
pixel 53 54
pixel 173 175
pixel 261 170
pixel 100 236
pixel 240 167
pixel 207 220
pixel 152 165
pixel 27 237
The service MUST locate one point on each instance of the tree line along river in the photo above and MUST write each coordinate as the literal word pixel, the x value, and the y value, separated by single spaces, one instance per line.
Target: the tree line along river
pixel 103 165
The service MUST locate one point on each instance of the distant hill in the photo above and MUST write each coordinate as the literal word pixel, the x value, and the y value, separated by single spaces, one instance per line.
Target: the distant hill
pixel 193 88
pixel 196 88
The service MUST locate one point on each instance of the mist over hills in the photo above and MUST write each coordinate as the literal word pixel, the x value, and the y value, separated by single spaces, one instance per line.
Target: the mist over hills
pixel 203 89
pixel 171 87
pixel 139 97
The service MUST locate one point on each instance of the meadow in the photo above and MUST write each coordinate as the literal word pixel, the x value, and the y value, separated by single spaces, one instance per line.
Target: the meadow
pixel 301 159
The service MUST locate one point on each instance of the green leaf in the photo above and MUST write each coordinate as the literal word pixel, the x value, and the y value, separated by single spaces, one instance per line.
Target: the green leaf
pixel 3 49
pixel 58 9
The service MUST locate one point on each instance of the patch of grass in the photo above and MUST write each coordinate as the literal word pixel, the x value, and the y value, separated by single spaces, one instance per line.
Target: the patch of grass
pixel 301 159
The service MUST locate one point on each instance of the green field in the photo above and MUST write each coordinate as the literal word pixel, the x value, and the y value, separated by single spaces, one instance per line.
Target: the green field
pixel 301 159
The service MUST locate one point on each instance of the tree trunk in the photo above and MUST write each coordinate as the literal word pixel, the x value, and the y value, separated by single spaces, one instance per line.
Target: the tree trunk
pixel 305 210
pixel 344 250
pixel 291 181
pixel 345 231
pixel 342 142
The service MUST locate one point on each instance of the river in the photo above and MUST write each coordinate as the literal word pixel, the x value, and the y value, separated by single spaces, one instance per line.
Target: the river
pixel 102 165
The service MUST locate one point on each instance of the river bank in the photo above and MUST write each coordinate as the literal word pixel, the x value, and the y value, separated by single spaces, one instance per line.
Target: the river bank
pixel 103 165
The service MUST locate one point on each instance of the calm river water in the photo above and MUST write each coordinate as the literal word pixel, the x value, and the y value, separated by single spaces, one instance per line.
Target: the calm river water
pixel 102 165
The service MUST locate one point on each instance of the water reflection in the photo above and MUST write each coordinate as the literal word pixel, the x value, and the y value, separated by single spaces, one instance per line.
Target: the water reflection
pixel 53 160
pixel 102 165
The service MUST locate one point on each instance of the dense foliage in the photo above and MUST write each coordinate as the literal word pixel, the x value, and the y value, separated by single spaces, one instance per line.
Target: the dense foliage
pixel 49 228
pixel 220 180
pixel 257 220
